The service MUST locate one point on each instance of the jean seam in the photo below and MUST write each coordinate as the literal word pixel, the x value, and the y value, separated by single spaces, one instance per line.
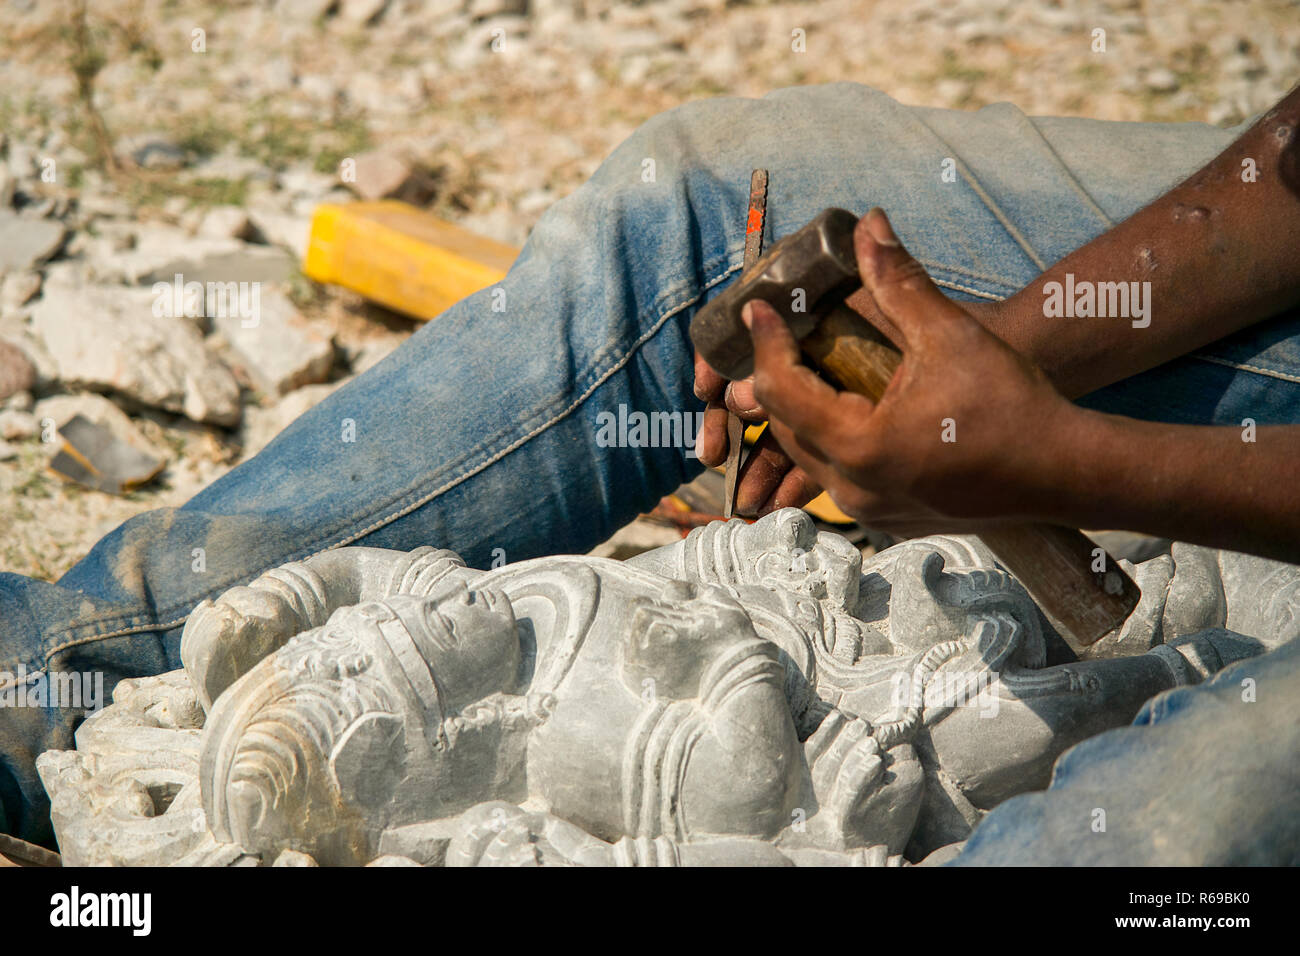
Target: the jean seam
pixel 1241 366
pixel 933 267
pixel 946 284
pixel 983 196
pixel 1107 222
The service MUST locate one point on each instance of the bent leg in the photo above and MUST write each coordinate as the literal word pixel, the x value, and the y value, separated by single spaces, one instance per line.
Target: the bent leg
pixel 482 433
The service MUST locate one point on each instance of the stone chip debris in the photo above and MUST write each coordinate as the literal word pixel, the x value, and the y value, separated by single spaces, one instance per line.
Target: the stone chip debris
pixel 93 456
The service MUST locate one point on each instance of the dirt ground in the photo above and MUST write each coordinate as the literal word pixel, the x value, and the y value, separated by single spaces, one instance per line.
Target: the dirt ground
pixel 280 93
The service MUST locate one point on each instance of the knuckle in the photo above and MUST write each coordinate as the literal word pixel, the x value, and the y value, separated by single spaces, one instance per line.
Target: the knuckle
pixel 764 386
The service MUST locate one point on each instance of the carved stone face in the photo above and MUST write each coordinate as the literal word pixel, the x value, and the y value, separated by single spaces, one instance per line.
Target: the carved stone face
pixel 346 728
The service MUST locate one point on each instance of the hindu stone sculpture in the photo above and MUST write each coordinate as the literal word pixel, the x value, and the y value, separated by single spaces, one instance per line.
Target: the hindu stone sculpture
pixel 752 694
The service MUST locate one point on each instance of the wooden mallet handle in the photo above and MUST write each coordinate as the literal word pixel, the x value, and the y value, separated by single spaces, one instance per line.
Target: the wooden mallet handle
pixel 1055 564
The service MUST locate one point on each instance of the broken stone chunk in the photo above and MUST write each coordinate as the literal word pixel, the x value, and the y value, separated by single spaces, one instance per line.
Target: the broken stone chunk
pixel 278 347
pixel 105 337
pixel 226 222
pixel 93 456
pixel 150 151
pixel 17 374
pixel 57 410
pixel 25 243
pixel 15 424
pixel 17 289
pixel 383 174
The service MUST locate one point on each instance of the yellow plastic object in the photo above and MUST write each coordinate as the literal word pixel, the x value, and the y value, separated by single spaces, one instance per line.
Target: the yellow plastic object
pixel 401 257
pixel 824 508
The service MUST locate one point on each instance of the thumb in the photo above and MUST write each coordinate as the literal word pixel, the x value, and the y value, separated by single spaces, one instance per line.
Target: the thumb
pixel 900 286
pixel 788 389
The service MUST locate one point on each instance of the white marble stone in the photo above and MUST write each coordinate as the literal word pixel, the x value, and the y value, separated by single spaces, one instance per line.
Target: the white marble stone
pixel 751 695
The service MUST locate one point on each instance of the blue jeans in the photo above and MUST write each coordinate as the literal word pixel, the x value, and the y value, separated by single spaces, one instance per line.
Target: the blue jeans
pixel 480 432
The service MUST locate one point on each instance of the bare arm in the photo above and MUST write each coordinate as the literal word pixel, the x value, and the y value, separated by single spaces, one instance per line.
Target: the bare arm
pixel 1220 252
pixel 1192 483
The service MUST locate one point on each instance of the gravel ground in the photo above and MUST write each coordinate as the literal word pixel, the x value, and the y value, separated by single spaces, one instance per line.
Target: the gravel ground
pixel 254 106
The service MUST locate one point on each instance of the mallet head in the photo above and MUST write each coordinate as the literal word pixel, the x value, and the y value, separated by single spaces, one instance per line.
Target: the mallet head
pixel 801 276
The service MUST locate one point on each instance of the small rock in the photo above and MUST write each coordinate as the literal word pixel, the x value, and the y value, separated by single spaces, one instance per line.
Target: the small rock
pixel 1224 114
pixel 21 161
pixel 109 337
pixel 304 181
pixel 426 843
pixel 7 184
pixel 483 9
pixel 306 9
pixel 18 288
pixel 362 11
pixel 17 374
pixel 278 347
pixel 1161 81
pixel 150 151
pixel 8 451
pixel 16 329
pixel 47 207
pixel 277 74
pixel 132 255
pixel 17 425
pixel 175 207
pixel 163 252
pixel 372 93
pixel 226 222
pixel 91 455
pixel 58 410
pixel 318 87
pixel 283 230
pixel 365 356
pixel 25 243
pixel 950 92
pixel 294 858
pixel 18 402
pixel 382 174
pixel 100 206
pixel 229 165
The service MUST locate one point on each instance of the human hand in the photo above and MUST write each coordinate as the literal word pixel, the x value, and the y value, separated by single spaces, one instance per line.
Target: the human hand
pixel 769 479
pixel 966 434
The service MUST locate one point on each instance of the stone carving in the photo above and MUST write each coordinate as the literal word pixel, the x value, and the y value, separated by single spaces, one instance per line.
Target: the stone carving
pixel 752 694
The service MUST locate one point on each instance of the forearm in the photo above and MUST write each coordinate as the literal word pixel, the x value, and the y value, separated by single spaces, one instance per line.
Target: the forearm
pixel 1220 253
pixel 1201 484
